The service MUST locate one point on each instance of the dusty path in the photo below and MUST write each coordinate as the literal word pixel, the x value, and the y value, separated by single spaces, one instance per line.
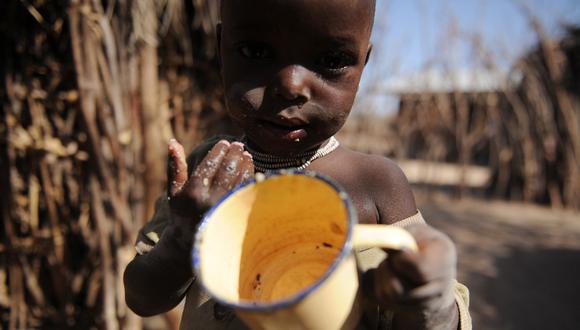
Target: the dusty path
pixel 521 262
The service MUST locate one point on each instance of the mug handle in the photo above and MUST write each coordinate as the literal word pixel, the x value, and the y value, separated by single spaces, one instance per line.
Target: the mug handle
pixel 383 236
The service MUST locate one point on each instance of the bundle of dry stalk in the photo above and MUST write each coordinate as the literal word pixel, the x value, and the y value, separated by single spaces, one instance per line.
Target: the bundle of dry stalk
pixel 528 134
pixel 540 140
pixel 92 90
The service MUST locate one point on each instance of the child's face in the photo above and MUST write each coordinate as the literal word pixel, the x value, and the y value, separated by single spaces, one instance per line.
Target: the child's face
pixel 291 68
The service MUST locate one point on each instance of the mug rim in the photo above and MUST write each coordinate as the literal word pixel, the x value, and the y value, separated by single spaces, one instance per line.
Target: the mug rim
pixel 346 248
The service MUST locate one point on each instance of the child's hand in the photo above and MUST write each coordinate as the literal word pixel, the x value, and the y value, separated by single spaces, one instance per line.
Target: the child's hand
pixel 225 166
pixel 418 284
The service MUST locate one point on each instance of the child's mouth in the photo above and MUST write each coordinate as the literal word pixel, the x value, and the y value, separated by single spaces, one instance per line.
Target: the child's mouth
pixel 285 131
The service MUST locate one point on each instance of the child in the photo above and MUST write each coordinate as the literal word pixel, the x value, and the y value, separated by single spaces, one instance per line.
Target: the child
pixel 291 70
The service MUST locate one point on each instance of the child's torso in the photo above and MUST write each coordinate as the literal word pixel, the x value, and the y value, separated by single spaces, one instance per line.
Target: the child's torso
pixel 341 167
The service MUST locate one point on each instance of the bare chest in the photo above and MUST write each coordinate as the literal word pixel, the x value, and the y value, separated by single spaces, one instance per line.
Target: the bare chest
pixel 363 203
pixel 365 207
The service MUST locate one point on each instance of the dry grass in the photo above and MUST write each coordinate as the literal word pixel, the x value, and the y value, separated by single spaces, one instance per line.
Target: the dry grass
pixel 91 92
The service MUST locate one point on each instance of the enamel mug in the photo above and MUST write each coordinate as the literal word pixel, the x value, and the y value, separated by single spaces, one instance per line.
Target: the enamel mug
pixel 279 250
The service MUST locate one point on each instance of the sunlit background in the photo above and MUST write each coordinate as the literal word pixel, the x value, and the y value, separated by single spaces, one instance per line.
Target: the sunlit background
pixel 419 39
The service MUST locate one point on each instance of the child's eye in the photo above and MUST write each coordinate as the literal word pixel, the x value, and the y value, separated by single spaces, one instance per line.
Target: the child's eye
pixel 255 51
pixel 336 61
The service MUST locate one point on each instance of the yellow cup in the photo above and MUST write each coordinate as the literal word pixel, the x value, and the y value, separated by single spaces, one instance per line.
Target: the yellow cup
pixel 280 252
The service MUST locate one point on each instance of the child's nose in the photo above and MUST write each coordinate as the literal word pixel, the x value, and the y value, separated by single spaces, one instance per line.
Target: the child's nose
pixel 292 84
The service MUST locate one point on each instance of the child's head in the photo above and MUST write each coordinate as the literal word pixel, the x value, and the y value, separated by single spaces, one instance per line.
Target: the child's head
pixel 291 68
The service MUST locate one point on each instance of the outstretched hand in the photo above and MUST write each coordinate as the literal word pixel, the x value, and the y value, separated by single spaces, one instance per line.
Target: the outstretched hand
pixel 225 166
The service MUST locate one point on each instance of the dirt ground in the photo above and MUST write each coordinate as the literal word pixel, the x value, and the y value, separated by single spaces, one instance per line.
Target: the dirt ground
pixel 520 262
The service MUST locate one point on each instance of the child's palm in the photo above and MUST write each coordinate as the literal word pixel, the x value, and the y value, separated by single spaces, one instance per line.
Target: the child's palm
pixel 225 166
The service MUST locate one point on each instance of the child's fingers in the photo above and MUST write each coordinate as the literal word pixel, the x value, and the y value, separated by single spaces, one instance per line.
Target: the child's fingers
pixel 386 288
pixel 433 296
pixel 200 181
pixel 176 167
pixel 229 170
pixel 247 169
pixel 196 189
pixel 425 292
pixel 428 265
pixel 210 164
pixel 383 286
pixel 435 259
pixel 195 196
pixel 409 266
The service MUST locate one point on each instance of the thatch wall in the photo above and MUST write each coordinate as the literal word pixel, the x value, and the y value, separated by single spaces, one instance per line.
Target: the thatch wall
pixel 528 134
pixel 91 92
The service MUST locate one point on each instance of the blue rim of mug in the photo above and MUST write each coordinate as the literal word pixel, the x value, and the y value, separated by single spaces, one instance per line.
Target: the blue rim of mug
pixel 265 307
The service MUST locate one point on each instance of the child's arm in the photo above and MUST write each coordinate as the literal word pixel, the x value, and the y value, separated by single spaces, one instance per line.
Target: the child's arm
pixel 418 287
pixel 158 280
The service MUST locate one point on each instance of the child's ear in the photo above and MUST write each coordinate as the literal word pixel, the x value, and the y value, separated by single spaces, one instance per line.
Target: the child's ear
pixel 369 51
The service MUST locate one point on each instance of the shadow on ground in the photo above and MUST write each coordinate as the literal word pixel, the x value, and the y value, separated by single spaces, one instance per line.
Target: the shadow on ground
pixel 520 262
pixel 533 289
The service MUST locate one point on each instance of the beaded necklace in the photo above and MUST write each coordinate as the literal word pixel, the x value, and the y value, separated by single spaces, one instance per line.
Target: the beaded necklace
pixel 266 162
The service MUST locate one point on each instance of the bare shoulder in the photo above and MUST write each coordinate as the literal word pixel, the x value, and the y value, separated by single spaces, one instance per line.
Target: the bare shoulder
pixel 383 181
